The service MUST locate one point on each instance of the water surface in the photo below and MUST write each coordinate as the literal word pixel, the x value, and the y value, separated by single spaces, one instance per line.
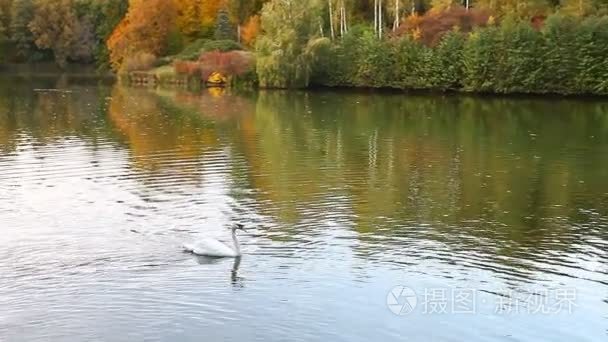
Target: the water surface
pixel 493 211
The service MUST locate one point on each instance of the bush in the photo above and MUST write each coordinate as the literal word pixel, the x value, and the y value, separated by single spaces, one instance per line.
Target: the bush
pixel 164 61
pixel 563 55
pixel 221 45
pixel 481 59
pixel 520 64
pixel 445 67
pixel 188 68
pixel 411 64
pixel 228 63
pixel 192 51
pixel 140 61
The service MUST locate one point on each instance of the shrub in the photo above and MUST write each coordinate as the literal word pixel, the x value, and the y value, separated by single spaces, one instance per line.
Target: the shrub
pixel 445 65
pixel 189 68
pixel 519 67
pixel 221 45
pixel 140 61
pixel 480 60
pixel 164 61
pixel 192 51
pixel 591 56
pixel 228 63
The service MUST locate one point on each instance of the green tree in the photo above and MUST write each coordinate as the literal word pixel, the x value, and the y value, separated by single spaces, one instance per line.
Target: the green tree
pixel 559 62
pixel 286 49
pixel 108 14
pixel 520 62
pixel 223 27
pixel 480 58
pixel 446 63
pixel 591 51
pixel 22 12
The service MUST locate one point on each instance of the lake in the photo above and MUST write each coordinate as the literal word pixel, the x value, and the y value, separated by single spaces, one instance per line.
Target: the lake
pixel 370 216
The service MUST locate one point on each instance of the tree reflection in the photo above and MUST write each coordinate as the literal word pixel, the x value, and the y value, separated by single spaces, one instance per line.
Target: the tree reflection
pixel 499 177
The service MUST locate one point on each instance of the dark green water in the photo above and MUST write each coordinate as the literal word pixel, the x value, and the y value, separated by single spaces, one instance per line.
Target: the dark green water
pixel 371 216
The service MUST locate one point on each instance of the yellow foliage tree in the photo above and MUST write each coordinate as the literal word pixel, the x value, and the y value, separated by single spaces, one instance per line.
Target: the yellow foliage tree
pixel 189 16
pixel 209 9
pixel 442 5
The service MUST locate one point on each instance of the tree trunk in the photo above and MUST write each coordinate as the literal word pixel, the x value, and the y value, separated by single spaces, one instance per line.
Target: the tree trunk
pixel 331 21
pixel 396 22
pixel 343 27
pixel 341 20
pixel 380 19
pixel 376 17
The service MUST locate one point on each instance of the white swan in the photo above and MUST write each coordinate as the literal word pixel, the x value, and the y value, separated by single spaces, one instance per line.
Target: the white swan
pixel 214 248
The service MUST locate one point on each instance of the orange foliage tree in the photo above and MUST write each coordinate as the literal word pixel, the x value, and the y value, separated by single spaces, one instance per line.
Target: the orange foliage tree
pixel 144 29
pixel 250 30
pixel 433 25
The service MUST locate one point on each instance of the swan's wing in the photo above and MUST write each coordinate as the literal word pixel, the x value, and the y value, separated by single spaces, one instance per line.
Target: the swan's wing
pixel 210 247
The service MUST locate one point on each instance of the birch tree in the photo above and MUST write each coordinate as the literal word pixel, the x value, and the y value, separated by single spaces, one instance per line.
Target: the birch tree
pixel 397 20
pixel 378 18
pixel 331 20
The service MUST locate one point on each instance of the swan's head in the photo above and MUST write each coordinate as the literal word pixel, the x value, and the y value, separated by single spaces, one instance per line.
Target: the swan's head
pixel 238 226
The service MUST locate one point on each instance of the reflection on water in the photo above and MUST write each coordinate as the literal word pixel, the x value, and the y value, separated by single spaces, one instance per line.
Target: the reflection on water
pixel 347 195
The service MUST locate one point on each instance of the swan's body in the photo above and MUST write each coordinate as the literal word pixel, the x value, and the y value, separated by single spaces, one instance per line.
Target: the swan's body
pixel 214 248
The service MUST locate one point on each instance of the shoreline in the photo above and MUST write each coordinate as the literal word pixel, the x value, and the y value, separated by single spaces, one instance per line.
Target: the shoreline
pixel 25 71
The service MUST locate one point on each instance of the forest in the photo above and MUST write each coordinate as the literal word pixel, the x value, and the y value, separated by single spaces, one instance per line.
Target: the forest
pixel 509 46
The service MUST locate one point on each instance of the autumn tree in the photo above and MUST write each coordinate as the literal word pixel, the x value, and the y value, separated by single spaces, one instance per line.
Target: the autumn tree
pixel 241 11
pixel 188 18
pixel 145 28
pixel 85 41
pixel 517 8
pixel 208 12
pixel 2 25
pixel 55 26
pixel 577 7
pixel 103 16
pixel 441 5
pixel 5 18
pixel 22 12
pixel 250 30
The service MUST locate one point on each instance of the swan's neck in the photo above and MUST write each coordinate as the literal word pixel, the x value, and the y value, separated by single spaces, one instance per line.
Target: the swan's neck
pixel 237 246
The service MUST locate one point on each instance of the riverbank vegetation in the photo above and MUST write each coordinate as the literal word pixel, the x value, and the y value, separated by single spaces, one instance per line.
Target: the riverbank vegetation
pixel 534 46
